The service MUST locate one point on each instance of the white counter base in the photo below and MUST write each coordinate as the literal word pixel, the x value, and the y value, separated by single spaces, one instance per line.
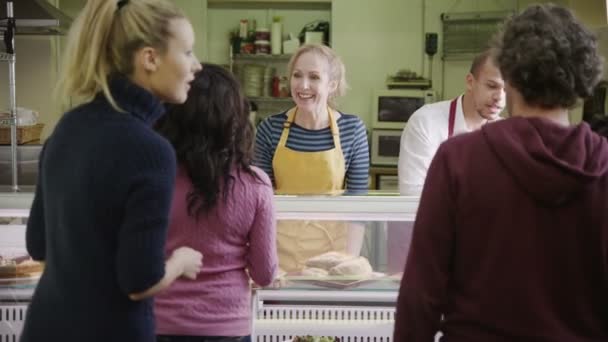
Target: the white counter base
pixel 350 315
pixel 12 317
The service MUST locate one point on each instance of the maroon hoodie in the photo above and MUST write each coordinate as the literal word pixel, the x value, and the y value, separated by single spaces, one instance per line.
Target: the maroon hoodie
pixel 511 238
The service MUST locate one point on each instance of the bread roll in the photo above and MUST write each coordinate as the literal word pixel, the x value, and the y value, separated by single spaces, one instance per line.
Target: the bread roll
pixel 314 272
pixel 354 267
pixel 328 260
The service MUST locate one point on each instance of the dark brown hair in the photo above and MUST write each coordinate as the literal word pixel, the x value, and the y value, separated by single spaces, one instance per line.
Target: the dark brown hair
pixel 480 60
pixel 211 134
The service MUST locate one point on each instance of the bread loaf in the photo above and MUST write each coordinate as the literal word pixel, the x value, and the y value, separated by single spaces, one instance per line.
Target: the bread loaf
pixel 19 267
pixel 314 272
pixel 328 260
pixel 354 267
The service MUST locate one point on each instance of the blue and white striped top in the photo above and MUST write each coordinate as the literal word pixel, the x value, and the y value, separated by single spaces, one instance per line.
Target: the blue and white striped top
pixel 353 139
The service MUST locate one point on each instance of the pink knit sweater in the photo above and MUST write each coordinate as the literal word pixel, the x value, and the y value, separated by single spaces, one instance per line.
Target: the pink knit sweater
pixel 237 238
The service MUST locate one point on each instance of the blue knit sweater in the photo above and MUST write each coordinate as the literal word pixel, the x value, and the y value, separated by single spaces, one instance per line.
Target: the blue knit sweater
pixel 99 220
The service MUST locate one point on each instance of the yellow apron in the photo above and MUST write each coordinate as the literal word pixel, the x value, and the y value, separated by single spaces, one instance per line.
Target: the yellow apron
pixel 308 173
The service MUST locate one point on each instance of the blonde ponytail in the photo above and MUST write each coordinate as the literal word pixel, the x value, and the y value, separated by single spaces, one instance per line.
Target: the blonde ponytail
pixel 103 40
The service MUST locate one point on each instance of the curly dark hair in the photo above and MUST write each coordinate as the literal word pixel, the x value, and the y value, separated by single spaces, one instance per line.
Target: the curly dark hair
pixel 211 134
pixel 548 56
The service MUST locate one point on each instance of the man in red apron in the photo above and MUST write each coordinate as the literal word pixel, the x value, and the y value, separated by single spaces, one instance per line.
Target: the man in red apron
pixel 434 123
pixel 431 125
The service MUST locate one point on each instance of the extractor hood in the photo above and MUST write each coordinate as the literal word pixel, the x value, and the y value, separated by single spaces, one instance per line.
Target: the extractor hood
pixel 36 17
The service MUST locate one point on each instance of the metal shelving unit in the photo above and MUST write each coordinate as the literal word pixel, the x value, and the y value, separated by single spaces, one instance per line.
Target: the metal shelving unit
pixel 13 301
pixel 6 57
pixel 267 105
pixel 8 31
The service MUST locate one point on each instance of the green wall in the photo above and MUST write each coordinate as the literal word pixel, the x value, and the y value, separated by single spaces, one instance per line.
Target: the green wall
pixel 374 37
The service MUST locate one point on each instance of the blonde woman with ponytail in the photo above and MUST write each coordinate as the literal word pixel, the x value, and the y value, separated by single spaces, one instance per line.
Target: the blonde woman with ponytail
pixel 100 213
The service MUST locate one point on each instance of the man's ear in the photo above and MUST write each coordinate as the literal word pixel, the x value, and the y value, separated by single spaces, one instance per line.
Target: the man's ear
pixel 147 58
pixel 470 79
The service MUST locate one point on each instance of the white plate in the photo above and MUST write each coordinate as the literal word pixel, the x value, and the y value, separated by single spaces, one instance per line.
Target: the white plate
pixel 341 283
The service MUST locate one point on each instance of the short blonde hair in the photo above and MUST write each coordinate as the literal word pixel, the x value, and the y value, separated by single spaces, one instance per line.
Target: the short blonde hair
pixel 337 71
pixel 104 39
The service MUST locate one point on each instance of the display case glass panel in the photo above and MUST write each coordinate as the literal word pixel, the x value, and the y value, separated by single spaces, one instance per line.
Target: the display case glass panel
pixel 354 243
pixel 351 243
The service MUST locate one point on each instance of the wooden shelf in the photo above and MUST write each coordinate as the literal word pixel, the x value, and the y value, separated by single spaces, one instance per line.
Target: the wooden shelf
pixel 260 57
pixel 271 99
pixel 214 2
pixel 276 4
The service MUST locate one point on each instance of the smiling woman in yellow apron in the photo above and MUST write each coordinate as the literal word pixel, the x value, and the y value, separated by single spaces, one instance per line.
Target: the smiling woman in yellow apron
pixel 299 240
pixel 313 149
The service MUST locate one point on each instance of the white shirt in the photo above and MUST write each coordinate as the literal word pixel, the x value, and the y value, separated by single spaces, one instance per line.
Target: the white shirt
pixel 426 129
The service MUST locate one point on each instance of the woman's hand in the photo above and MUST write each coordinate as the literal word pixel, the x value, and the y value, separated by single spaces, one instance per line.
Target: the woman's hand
pixel 184 262
pixel 188 260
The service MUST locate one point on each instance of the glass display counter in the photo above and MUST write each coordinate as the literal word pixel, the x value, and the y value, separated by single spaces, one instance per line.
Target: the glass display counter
pixel 351 292
pixel 312 296
pixel 15 292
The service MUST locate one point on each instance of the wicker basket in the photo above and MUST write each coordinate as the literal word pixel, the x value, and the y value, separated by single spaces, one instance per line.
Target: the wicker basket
pixel 25 134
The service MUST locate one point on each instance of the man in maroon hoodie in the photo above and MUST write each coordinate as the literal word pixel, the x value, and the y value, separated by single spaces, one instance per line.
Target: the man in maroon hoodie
pixel 511 238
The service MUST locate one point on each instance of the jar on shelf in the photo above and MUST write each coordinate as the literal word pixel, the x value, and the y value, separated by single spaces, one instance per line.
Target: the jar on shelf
pixel 267 81
pixel 284 87
pixel 243 24
pixel 276 82
pixel 262 47
pixel 262 33
pixel 253 80
pixel 247 47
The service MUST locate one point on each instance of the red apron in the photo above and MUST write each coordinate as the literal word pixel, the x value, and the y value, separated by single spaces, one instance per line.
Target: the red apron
pixel 452 118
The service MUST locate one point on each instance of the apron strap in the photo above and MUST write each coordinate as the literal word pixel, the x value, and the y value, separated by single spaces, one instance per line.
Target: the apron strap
pixel 286 125
pixel 335 132
pixel 291 115
pixel 452 118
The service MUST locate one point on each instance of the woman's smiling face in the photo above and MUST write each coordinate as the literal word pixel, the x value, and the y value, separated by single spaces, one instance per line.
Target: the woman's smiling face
pixel 311 85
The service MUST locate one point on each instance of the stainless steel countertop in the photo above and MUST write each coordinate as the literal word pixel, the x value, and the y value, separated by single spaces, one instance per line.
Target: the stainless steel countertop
pixel 16 204
pixel 357 208
pixel 27 165
pixel 16 294
pixel 23 189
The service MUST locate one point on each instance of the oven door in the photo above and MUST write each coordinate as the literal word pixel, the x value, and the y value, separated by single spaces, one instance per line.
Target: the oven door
pixel 385 147
pixel 388 182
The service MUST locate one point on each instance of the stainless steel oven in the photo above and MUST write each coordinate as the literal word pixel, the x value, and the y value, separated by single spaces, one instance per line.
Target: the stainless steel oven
pixel 388 182
pixel 385 147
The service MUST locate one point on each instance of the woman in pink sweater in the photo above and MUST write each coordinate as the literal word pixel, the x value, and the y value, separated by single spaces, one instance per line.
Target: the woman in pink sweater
pixel 222 207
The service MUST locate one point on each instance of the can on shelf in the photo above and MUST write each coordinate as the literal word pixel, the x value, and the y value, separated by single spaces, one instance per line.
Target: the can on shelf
pixel 262 34
pixel 262 47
